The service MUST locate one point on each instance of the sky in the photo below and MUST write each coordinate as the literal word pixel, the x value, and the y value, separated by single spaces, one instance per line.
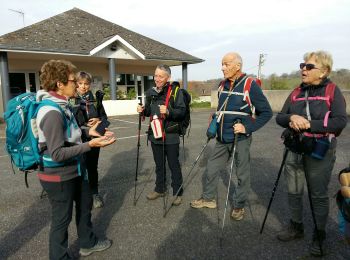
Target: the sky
pixel 282 30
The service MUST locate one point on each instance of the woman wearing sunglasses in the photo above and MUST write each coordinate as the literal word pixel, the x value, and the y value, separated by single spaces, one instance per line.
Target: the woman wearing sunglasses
pixel 314 114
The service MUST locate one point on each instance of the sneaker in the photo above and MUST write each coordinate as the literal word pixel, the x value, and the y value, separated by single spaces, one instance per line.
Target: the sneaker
pixel 203 203
pixel 237 214
pixel 177 201
pixel 155 195
pixel 100 246
pixel 97 201
pixel 293 231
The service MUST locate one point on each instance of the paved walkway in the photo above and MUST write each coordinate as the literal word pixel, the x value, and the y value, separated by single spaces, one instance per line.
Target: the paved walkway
pixel 141 231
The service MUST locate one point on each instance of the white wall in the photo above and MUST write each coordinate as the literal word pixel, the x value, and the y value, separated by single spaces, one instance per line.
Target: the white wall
pixel 202 99
pixel 120 107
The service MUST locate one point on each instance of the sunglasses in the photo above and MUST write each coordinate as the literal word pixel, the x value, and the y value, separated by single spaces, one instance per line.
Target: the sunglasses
pixel 308 66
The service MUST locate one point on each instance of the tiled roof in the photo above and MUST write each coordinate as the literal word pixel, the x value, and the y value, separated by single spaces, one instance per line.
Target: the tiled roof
pixel 79 32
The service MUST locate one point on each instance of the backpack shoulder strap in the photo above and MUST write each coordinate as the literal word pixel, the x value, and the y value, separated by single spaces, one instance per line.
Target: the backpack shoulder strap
pixel 329 93
pixel 168 94
pixel 295 93
pixel 246 90
pixel 221 87
pixel 174 92
pixel 47 102
pixel 329 97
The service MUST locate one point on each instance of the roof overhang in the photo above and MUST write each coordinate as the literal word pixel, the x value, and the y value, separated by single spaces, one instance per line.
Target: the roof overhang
pixel 43 52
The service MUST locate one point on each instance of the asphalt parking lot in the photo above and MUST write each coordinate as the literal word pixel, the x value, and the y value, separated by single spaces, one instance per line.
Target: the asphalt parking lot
pixel 141 231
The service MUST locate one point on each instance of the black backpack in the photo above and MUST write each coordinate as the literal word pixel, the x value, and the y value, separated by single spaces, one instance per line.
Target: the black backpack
pixel 185 124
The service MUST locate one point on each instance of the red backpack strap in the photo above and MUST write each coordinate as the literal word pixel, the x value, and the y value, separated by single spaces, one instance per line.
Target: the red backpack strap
pixel 168 94
pixel 329 93
pixel 246 90
pixel 258 81
pixel 295 93
pixel 221 87
pixel 329 97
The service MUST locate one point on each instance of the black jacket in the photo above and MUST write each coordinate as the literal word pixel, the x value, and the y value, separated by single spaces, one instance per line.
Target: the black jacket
pixel 318 109
pixel 87 107
pixel 177 110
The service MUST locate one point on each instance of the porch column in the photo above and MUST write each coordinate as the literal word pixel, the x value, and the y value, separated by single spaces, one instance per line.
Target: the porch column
pixel 112 78
pixel 184 75
pixel 5 81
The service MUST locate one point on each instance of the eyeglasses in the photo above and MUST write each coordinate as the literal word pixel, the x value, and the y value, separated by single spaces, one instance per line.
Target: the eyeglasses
pixel 73 80
pixel 308 66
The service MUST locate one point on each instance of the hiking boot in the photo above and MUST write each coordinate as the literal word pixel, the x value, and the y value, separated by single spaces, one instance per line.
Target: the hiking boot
pixel 315 249
pixel 177 201
pixel 294 231
pixel 203 203
pixel 97 201
pixel 155 195
pixel 100 246
pixel 237 214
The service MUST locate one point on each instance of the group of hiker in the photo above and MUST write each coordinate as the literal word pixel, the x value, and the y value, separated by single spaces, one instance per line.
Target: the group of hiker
pixel 313 116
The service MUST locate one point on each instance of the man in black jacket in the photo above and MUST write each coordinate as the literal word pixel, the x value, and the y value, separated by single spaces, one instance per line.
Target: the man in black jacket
pixel 170 114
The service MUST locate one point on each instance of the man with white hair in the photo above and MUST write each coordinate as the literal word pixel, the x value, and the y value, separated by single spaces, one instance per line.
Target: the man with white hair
pixel 242 109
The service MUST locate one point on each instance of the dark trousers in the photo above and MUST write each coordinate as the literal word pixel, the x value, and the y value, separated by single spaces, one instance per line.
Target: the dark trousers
pixel 91 165
pixel 61 196
pixel 319 173
pixel 171 153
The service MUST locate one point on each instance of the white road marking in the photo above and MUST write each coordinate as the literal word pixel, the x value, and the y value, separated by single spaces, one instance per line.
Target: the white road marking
pixel 127 137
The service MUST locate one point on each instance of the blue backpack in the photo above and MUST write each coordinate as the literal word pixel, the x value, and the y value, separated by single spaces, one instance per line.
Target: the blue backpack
pixel 21 131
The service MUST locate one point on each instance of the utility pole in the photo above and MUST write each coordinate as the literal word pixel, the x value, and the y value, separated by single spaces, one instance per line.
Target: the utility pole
pixel 261 63
pixel 19 12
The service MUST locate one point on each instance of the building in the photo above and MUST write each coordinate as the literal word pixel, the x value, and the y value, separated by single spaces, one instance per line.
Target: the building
pixel 116 57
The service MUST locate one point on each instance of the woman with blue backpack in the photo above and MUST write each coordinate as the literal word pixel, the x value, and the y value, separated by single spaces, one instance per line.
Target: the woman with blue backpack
pixel 63 173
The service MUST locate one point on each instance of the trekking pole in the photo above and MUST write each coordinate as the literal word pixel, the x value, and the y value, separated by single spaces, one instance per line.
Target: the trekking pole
pixel 165 199
pixel 188 179
pixel 312 207
pixel 137 158
pixel 149 175
pixel 228 186
pixel 274 188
